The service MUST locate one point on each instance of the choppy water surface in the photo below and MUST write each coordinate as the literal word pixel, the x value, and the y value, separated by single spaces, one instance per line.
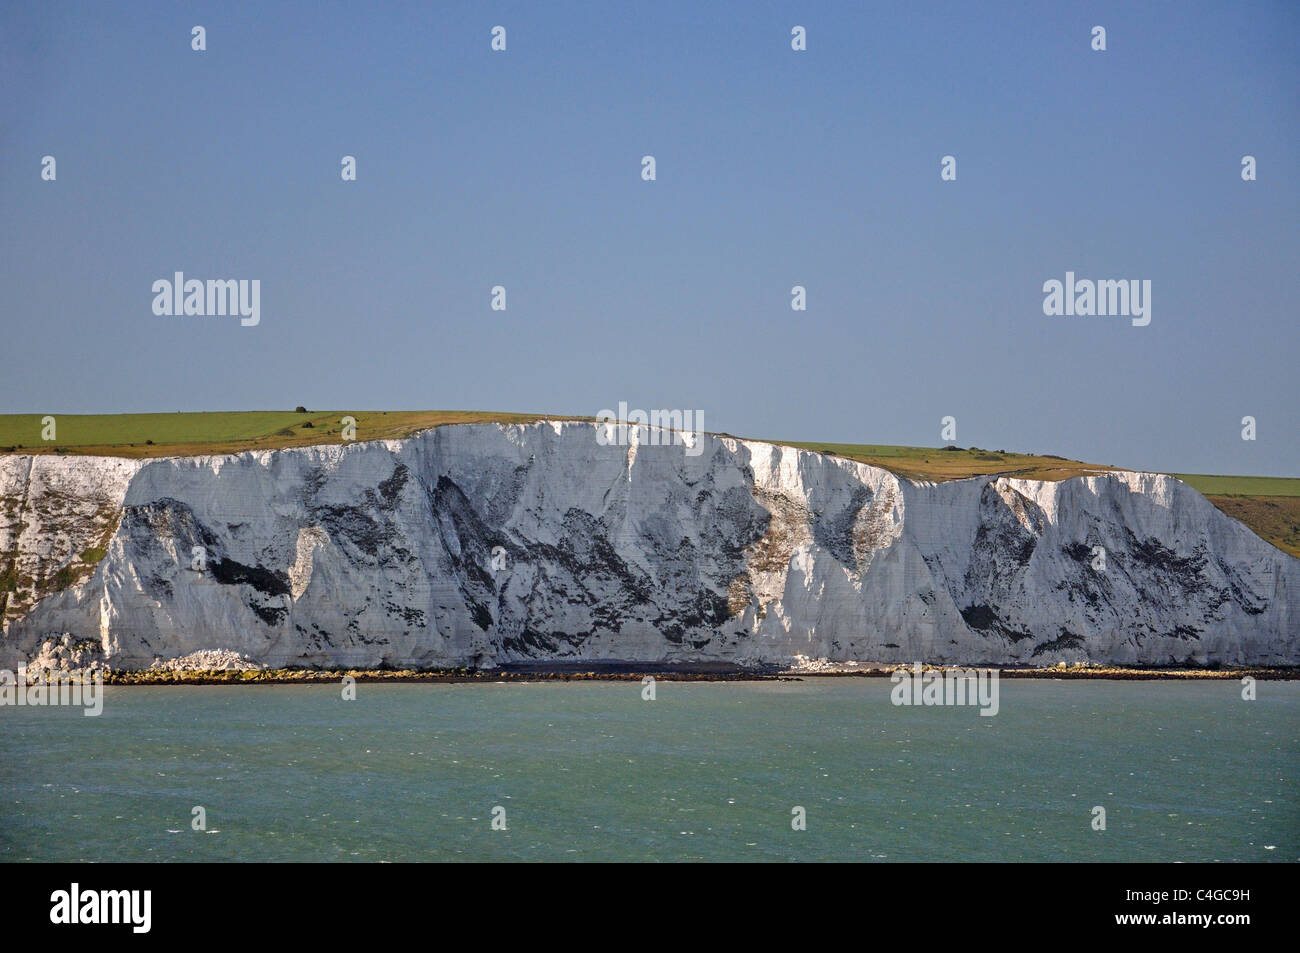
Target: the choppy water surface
pixel 707 771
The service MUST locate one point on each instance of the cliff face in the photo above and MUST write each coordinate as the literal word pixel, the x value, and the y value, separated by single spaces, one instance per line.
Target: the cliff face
pixel 486 544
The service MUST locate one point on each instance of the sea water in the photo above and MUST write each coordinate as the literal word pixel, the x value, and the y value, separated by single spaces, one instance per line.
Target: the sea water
pixel 706 771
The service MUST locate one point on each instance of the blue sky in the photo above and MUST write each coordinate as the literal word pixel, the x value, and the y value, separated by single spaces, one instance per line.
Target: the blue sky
pixel 775 168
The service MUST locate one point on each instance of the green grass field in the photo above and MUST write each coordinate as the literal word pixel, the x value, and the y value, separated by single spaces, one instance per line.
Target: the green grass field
pixel 187 434
pixel 933 463
pixel 1268 505
pixel 1242 485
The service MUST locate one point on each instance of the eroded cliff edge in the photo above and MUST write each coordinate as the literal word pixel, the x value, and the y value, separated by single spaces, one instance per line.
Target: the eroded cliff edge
pixel 486 544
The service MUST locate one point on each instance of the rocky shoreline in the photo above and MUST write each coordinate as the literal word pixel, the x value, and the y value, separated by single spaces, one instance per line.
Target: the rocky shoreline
pixel 460 676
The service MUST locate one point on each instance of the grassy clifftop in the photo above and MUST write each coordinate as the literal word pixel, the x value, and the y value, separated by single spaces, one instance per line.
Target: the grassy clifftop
pixel 189 434
pixel 957 463
pixel 1268 505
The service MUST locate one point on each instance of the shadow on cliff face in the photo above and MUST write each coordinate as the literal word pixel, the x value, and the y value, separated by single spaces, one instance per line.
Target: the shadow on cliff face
pixel 593 574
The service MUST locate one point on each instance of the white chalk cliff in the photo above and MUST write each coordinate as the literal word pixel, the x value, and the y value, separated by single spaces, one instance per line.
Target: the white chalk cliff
pixel 492 544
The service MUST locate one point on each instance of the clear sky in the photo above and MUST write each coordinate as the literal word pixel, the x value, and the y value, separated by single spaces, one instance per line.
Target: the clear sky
pixel 775 168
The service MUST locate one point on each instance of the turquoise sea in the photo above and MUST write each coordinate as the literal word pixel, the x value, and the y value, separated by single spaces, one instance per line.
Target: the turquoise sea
pixel 1186 771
